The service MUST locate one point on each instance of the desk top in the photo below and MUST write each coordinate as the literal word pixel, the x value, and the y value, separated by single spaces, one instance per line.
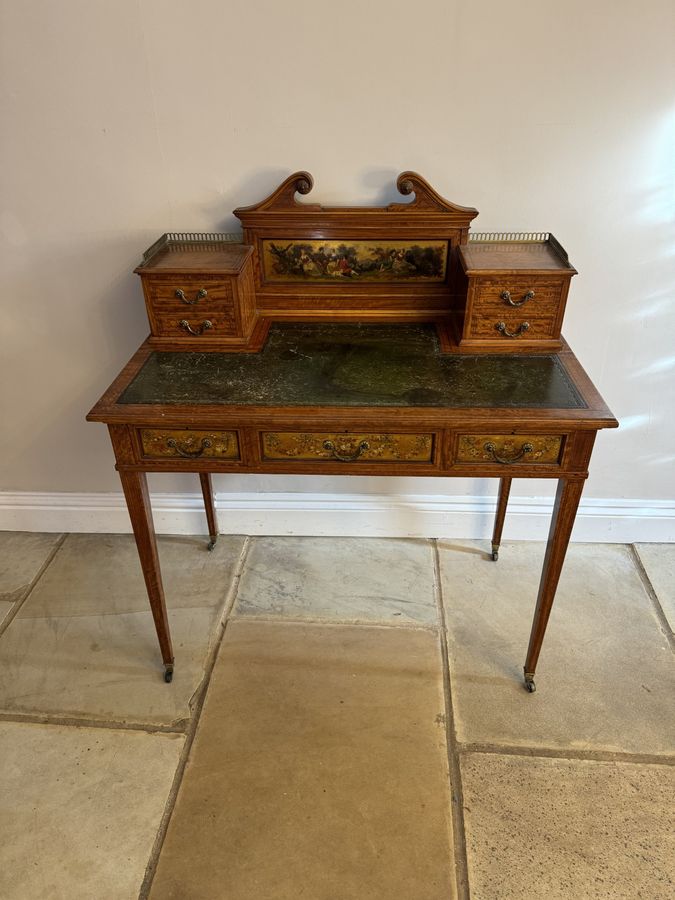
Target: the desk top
pixel 346 365
pixel 352 372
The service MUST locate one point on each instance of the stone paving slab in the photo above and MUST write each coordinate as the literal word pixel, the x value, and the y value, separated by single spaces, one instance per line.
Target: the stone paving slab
pixel 319 770
pixel 100 574
pixel 555 829
pixel 84 642
pixel 605 679
pixel 659 564
pixel 80 809
pixel 5 610
pixel 104 667
pixel 22 554
pixel 349 579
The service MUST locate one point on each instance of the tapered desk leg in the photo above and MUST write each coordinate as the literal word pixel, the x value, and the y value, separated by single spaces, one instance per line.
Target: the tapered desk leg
pixel 564 512
pixel 210 507
pixel 504 488
pixel 135 486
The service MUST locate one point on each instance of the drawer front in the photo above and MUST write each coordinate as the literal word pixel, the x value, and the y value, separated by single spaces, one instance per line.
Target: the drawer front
pixel 347 447
pixel 205 326
pixel 509 449
pixel 534 296
pixel 188 444
pixel 513 326
pixel 188 293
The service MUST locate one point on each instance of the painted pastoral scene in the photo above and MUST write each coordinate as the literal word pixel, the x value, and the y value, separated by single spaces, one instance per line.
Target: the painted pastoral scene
pixel 357 260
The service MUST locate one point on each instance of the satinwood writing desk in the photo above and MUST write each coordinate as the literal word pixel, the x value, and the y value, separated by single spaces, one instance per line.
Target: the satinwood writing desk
pixel 336 348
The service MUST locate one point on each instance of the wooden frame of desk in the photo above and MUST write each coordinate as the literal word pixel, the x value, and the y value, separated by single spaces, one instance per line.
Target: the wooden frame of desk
pixel 448 426
pixel 403 264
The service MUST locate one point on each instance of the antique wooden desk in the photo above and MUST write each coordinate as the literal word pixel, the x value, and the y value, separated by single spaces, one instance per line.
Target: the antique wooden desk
pixel 354 341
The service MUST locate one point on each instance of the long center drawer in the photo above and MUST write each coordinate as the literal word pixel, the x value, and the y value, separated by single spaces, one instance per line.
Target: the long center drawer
pixel 346 447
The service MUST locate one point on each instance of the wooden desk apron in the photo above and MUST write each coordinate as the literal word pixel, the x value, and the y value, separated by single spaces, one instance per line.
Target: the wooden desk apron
pixel 345 398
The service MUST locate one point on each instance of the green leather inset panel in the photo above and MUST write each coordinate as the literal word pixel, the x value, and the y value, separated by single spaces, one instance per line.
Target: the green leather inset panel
pixel 338 364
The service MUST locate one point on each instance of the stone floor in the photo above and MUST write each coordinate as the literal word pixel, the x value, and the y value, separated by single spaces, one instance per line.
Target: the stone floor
pixel 346 722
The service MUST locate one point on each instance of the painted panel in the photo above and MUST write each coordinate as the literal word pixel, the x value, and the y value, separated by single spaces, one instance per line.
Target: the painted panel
pixel 189 444
pixel 334 261
pixel 347 447
pixel 509 448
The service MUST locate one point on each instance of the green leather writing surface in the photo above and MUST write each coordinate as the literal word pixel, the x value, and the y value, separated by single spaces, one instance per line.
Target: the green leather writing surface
pixel 338 364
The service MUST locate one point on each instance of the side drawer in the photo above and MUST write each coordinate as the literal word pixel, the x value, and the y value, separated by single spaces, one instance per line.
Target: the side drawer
pixel 188 293
pixel 534 295
pixel 347 446
pixel 498 326
pixel 184 443
pixel 508 449
pixel 206 325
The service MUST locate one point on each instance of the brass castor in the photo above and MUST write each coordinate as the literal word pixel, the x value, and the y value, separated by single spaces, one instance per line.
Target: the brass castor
pixel 212 542
pixel 495 555
pixel 530 686
pixel 168 674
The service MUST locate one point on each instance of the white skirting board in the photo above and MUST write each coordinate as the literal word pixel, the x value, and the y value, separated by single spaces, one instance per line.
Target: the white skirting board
pixel 355 515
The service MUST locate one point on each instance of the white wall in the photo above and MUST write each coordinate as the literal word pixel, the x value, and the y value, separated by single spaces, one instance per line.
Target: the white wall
pixel 123 119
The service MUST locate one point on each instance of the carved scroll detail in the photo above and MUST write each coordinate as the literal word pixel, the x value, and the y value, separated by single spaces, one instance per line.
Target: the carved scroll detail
pixel 284 196
pixel 426 198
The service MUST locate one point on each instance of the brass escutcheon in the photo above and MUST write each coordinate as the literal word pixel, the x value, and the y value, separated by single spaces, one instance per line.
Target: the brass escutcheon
pixel 506 297
pixel 189 454
pixel 185 325
pixel 491 448
pixel 329 445
pixel 201 293
pixel 521 329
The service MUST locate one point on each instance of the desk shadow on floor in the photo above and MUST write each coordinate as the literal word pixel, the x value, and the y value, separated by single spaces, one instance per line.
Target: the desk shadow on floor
pixel 465 548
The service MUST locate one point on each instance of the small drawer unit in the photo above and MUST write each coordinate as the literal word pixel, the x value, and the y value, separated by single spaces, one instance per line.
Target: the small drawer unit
pixel 199 291
pixel 517 287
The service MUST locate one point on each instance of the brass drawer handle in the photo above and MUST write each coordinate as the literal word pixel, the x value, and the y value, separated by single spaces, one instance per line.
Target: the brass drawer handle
pixel 492 450
pixel 506 297
pixel 189 454
pixel 329 445
pixel 521 329
pixel 185 325
pixel 201 293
